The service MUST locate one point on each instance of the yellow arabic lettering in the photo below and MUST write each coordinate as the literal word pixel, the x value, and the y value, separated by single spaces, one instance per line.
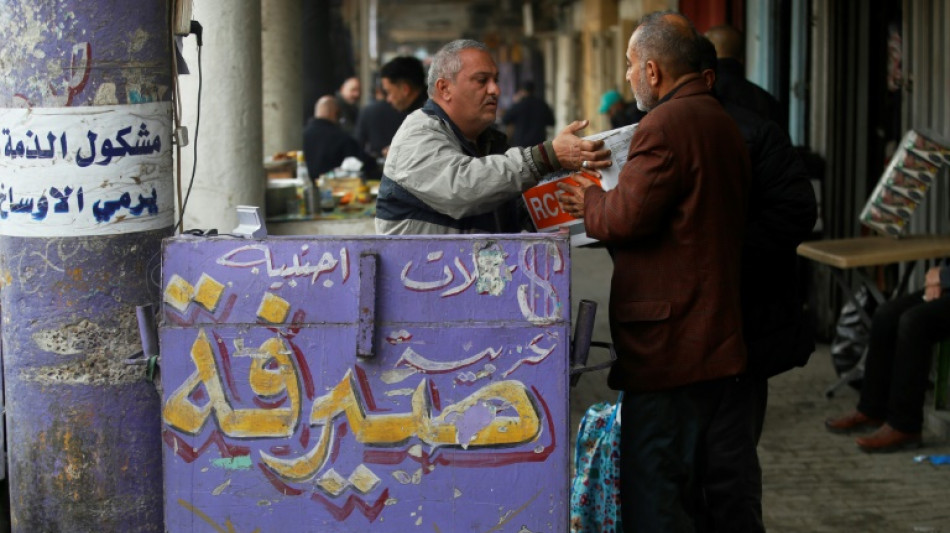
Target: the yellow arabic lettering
pixel 182 414
pixel 443 430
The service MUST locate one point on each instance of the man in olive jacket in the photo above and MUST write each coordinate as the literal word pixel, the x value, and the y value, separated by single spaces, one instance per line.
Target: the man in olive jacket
pixel 675 223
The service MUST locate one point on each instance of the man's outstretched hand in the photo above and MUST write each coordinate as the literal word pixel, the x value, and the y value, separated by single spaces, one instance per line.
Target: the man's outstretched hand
pixel 575 153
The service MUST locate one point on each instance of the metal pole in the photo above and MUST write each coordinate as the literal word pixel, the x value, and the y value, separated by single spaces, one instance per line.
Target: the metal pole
pixel 85 199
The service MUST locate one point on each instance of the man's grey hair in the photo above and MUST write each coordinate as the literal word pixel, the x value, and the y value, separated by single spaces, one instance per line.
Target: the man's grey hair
pixel 670 41
pixel 447 62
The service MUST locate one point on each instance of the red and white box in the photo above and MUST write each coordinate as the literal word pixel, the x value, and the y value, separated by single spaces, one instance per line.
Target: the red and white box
pixel 546 211
pixel 541 199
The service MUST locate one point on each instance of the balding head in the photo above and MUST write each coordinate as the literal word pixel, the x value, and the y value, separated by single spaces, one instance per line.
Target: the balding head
pixel 727 40
pixel 327 108
pixel 662 53
pixel 669 39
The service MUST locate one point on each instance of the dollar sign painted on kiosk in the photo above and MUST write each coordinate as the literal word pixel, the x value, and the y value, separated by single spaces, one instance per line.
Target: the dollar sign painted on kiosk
pixel 539 300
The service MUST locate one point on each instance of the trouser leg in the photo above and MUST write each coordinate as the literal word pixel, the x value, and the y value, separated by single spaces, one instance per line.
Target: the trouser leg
pixel 919 328
pixel 732 480
pixel 879 363
pixel 662 452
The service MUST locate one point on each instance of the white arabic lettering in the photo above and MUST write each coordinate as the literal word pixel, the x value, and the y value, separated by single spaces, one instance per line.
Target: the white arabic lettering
pixel 327 263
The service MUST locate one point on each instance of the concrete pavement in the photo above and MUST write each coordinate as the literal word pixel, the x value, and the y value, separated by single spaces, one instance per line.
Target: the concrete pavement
pixel 813 481
pixel 819 482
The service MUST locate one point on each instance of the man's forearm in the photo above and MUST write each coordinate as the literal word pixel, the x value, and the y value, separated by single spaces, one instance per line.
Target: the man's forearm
pixel 544 159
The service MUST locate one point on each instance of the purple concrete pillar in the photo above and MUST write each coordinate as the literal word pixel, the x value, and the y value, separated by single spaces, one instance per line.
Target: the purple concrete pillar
pixel 86 195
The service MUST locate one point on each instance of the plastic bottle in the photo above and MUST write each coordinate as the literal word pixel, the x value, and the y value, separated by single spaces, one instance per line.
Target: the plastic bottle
pixel 306 190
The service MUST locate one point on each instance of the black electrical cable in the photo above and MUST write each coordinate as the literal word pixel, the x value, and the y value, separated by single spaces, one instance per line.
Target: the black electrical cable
pixel 197 30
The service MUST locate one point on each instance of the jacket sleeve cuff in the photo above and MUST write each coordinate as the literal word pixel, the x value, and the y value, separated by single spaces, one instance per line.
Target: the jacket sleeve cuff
pixel 544 158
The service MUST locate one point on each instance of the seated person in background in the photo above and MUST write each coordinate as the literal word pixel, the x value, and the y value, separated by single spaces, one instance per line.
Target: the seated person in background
pixel 348 101
pixel 620 113
pixel 376 125
pixel 448 171
pixel 326 145
pixel 897 367
pixel 528 119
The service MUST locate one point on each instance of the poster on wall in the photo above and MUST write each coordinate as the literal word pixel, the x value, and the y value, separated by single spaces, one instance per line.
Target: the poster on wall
pixel 74 171
pixel 905 182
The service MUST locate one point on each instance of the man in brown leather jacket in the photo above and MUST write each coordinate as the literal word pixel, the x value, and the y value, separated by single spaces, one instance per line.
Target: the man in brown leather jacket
pixel 674 223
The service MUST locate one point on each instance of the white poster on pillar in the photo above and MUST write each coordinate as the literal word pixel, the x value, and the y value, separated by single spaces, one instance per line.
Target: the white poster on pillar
pixel 72 171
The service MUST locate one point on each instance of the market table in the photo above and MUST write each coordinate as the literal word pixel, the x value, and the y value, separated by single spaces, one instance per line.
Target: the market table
pixel 355 219
pixel 317 225
pixel 850 254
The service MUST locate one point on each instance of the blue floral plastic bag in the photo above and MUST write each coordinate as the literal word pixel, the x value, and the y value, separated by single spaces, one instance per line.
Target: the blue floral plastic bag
pixel 595 490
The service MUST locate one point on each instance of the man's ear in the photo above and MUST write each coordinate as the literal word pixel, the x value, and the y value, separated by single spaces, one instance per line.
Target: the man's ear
pixel 442 88
pixel 709 76
pixel 654 75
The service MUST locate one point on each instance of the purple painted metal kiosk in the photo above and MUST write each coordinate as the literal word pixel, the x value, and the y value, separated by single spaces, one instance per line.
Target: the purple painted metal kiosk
pixel 366 384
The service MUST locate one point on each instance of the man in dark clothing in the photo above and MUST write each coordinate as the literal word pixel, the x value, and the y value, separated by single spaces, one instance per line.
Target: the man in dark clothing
pixel 781 213
pixel 348 102
pixel 731 83
pixel 326 145
pixel 529 118
pixel 404 80
pixel 376 125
